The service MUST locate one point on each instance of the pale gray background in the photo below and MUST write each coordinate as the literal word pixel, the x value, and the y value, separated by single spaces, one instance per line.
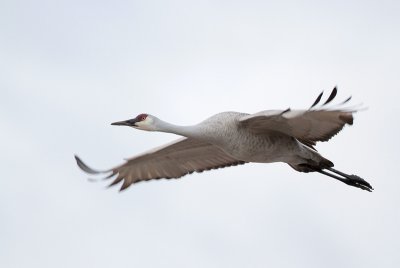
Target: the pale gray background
pixel 70 68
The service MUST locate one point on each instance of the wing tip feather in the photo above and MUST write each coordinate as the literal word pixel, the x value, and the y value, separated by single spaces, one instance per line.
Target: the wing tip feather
pixel 124 187
pixel 85 167
pixel 317 100
pixel 331 96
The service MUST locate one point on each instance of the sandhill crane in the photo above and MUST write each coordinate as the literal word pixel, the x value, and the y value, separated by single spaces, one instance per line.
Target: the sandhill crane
pixel 233 138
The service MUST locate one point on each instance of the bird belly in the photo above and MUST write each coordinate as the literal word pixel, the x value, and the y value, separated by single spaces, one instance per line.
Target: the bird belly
pixel 264 149
pixel 263 156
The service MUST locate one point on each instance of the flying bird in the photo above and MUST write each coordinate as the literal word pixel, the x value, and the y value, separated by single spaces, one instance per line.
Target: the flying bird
pixel 233 138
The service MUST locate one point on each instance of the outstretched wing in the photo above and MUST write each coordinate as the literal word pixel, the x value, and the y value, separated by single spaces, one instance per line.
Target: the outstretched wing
pixel 308 126
pixel 174 160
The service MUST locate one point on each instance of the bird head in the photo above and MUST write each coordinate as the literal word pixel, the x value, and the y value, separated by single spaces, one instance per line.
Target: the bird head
pixel 142 121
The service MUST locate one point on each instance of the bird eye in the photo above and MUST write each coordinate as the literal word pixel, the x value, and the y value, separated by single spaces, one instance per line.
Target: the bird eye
pixel 141 117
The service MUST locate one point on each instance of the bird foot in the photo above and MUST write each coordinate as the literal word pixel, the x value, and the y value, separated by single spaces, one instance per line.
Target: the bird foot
pixel 358 182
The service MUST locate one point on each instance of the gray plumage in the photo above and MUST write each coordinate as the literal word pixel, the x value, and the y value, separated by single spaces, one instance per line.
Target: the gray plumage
pixel 232 138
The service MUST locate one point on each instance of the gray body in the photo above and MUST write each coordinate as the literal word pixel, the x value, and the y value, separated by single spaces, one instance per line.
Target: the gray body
pixel 243 144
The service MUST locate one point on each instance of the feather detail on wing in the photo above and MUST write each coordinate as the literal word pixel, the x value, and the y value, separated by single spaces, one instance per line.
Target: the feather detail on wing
pixel 172 161
pixel 308 126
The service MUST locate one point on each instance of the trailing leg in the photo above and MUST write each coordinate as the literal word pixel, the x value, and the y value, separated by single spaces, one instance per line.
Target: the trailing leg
pixel 352 180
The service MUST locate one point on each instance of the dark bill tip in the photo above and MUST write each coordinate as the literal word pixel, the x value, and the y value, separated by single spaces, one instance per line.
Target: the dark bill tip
pixel 130 123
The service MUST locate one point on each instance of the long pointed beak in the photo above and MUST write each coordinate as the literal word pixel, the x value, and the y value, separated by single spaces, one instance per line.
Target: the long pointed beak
pixel 129 123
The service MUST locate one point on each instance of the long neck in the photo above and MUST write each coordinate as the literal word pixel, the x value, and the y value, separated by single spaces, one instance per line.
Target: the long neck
pixel 186 131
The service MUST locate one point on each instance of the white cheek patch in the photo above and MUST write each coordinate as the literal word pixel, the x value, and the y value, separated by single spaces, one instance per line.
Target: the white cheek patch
pixel 144 125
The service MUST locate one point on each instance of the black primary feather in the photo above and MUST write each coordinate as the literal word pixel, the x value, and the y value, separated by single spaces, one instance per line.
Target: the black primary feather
pixel 317 100
pixel 332 96
pixel 285 111
pixel 347 100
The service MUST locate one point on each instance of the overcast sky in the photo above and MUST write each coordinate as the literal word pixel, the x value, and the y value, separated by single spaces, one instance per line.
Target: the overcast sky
pixel 70 68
